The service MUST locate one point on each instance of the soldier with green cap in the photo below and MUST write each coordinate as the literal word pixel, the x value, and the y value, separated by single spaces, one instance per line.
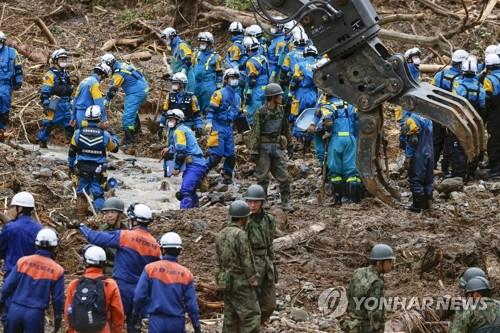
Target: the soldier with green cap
pixel 270 139
pixel 367 286
pixel 236 276
pixel 261 228
pixel 113 211
pixel 482 314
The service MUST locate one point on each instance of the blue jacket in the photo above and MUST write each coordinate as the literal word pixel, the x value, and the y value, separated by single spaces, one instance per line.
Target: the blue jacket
pixel 326 107
pixel 303 75
pixel 236 54
pixel 185 147
pixel 444 79
pixel 34 282
pixel 291 59
pixel 87 94
pixel 17 240
pixel 208 67
pixel 414 71
pixel 257 70
pixel 135 249
pixel 225 105
pixel 472 90
pixel 182 55
pixel 166 288
pixel 345 121
pixel 278 45
pixel 185 101
pixel 11 69
pixel 90 144
pixel 129 78
pixel 56 82
pixel 413 124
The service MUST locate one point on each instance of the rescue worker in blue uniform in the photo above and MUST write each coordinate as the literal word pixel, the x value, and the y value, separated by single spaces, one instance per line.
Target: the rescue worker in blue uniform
pixel 186 154
pixel 257 77
pixel 225 107
pixel 135 249
pixel 419 151
pixel 443 140
pixel 182 56
pixel 236 54
pixel 326 105
pixel 87 153
pixel 471 89
pixel 89 93
pixel 166 291
pixel 276 47
pixel 56 98
pixel 11 78
pixel 208 70
pixel 136 90
pixel 34 282
pixel 342 125
pixel 256 32
pixel 492 88
pixel 185 101
pixel 412 57
pixel 294 56
pixel 303 91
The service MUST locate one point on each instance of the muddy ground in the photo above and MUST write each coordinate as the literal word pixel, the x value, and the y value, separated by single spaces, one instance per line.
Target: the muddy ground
pixel 433 248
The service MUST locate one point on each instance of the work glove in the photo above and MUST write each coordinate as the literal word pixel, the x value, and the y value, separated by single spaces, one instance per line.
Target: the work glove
pixel 290 152
pixel 198 132
pixel 71 171
pixel 311 129
pixel 254 157
pixel 208 128
pixel 248 99
pixel 57 325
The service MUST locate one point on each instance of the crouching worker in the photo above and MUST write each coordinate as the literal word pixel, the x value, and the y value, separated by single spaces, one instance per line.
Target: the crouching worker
pixel 166 291
pixel 419 152
pixel 185 151
pixel 87 152
pixel 102 313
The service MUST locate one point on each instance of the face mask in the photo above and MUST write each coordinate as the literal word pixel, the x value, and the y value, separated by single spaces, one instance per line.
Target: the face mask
pixel 175 87
pixel 274 30
pixel 63 65
pixel 203 46
pixel 171 123
pixel 234 82
pixel 416 61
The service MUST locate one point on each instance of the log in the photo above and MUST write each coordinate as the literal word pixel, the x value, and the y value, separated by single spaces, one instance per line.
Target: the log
pixel 142 55
pixel 130 42
pixel 297 237
pixel 50 37
pixel 401 17
pixel 28 52
pixel 432 68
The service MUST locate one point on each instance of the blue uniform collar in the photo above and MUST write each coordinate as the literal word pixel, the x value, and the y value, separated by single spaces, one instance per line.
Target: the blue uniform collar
pixel 44 253
pixel 96 76
pixel 175 41
pixel 169 258
pixel 237 38
pixel 92 123
pixel 22 219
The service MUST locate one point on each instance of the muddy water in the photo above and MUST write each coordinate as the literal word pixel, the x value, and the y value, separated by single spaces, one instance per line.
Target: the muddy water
pixel 138 181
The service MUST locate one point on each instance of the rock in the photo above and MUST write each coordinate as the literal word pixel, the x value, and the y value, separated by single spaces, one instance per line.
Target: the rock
pixel 115 164
pixel 164 186
pixel 60 175
pixel 493 187
pixel 216 197
pixel 221 187
pixel 298 315
pixel 458 197
pixel 199 225
pixel 449 185
pixel 304 170
pixel 45 172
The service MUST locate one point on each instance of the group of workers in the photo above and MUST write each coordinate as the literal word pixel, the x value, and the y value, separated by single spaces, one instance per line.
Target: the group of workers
pixel 146 282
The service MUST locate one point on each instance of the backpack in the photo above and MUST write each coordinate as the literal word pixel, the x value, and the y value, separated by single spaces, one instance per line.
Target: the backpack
pixel 88 307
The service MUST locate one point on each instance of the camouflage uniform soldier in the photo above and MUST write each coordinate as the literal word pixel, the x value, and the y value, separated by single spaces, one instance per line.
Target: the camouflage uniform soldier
pixel 236 275
pixel 367 282
pixel 261 228
pixel 484 313
pixel 270 136
pixel 113 210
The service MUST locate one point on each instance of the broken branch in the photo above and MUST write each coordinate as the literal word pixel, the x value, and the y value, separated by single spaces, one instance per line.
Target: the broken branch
pixel 297 237
pixel 401 17
pixel 50 37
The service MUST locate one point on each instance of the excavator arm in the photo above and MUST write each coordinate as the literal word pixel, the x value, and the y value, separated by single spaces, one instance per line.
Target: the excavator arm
pixel 364 73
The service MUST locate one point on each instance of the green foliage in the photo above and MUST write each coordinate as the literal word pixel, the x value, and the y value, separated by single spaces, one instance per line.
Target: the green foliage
pixel 237 4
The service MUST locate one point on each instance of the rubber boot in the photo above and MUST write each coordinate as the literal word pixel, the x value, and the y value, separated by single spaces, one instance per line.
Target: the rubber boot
pixel 428 202
pixel 228 179
pixel 418 203
pixel 338 199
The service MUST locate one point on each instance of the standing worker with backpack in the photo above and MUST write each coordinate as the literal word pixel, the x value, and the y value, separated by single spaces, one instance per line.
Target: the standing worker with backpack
pixel 93 303
pixel 135 249
pixel 35 282
pixel 166 291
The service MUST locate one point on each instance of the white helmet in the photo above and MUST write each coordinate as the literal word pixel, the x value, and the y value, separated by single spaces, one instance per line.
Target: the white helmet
pixel 288 26
pixel 279 26
pixel 235 27
pixel 299 36
pixel 60 53
pixel 23 199
pixel 171 240
pixel 93 112
pixel 469 66
pixel 95 255
pixel 459 56
pixel 140 213
pixel 46 237
pixel 492 60
pixel 310 50
pixel 180 77
pixel 103 68
pixel 254 31
pixel 206 36
pixel 169 33
pixel 2 37
pixel 108 59
pixel 231 72
pixel 415 51
pixel 176 114
pixel 251 43
pixel 491 49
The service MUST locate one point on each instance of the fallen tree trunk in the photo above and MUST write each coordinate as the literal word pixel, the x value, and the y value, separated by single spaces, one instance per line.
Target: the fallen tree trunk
pixel 142 55
pixel 432 68
pixel 50 37
pixel 400 17
pixel 130 42
pixel 27 52
pixel 297 237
